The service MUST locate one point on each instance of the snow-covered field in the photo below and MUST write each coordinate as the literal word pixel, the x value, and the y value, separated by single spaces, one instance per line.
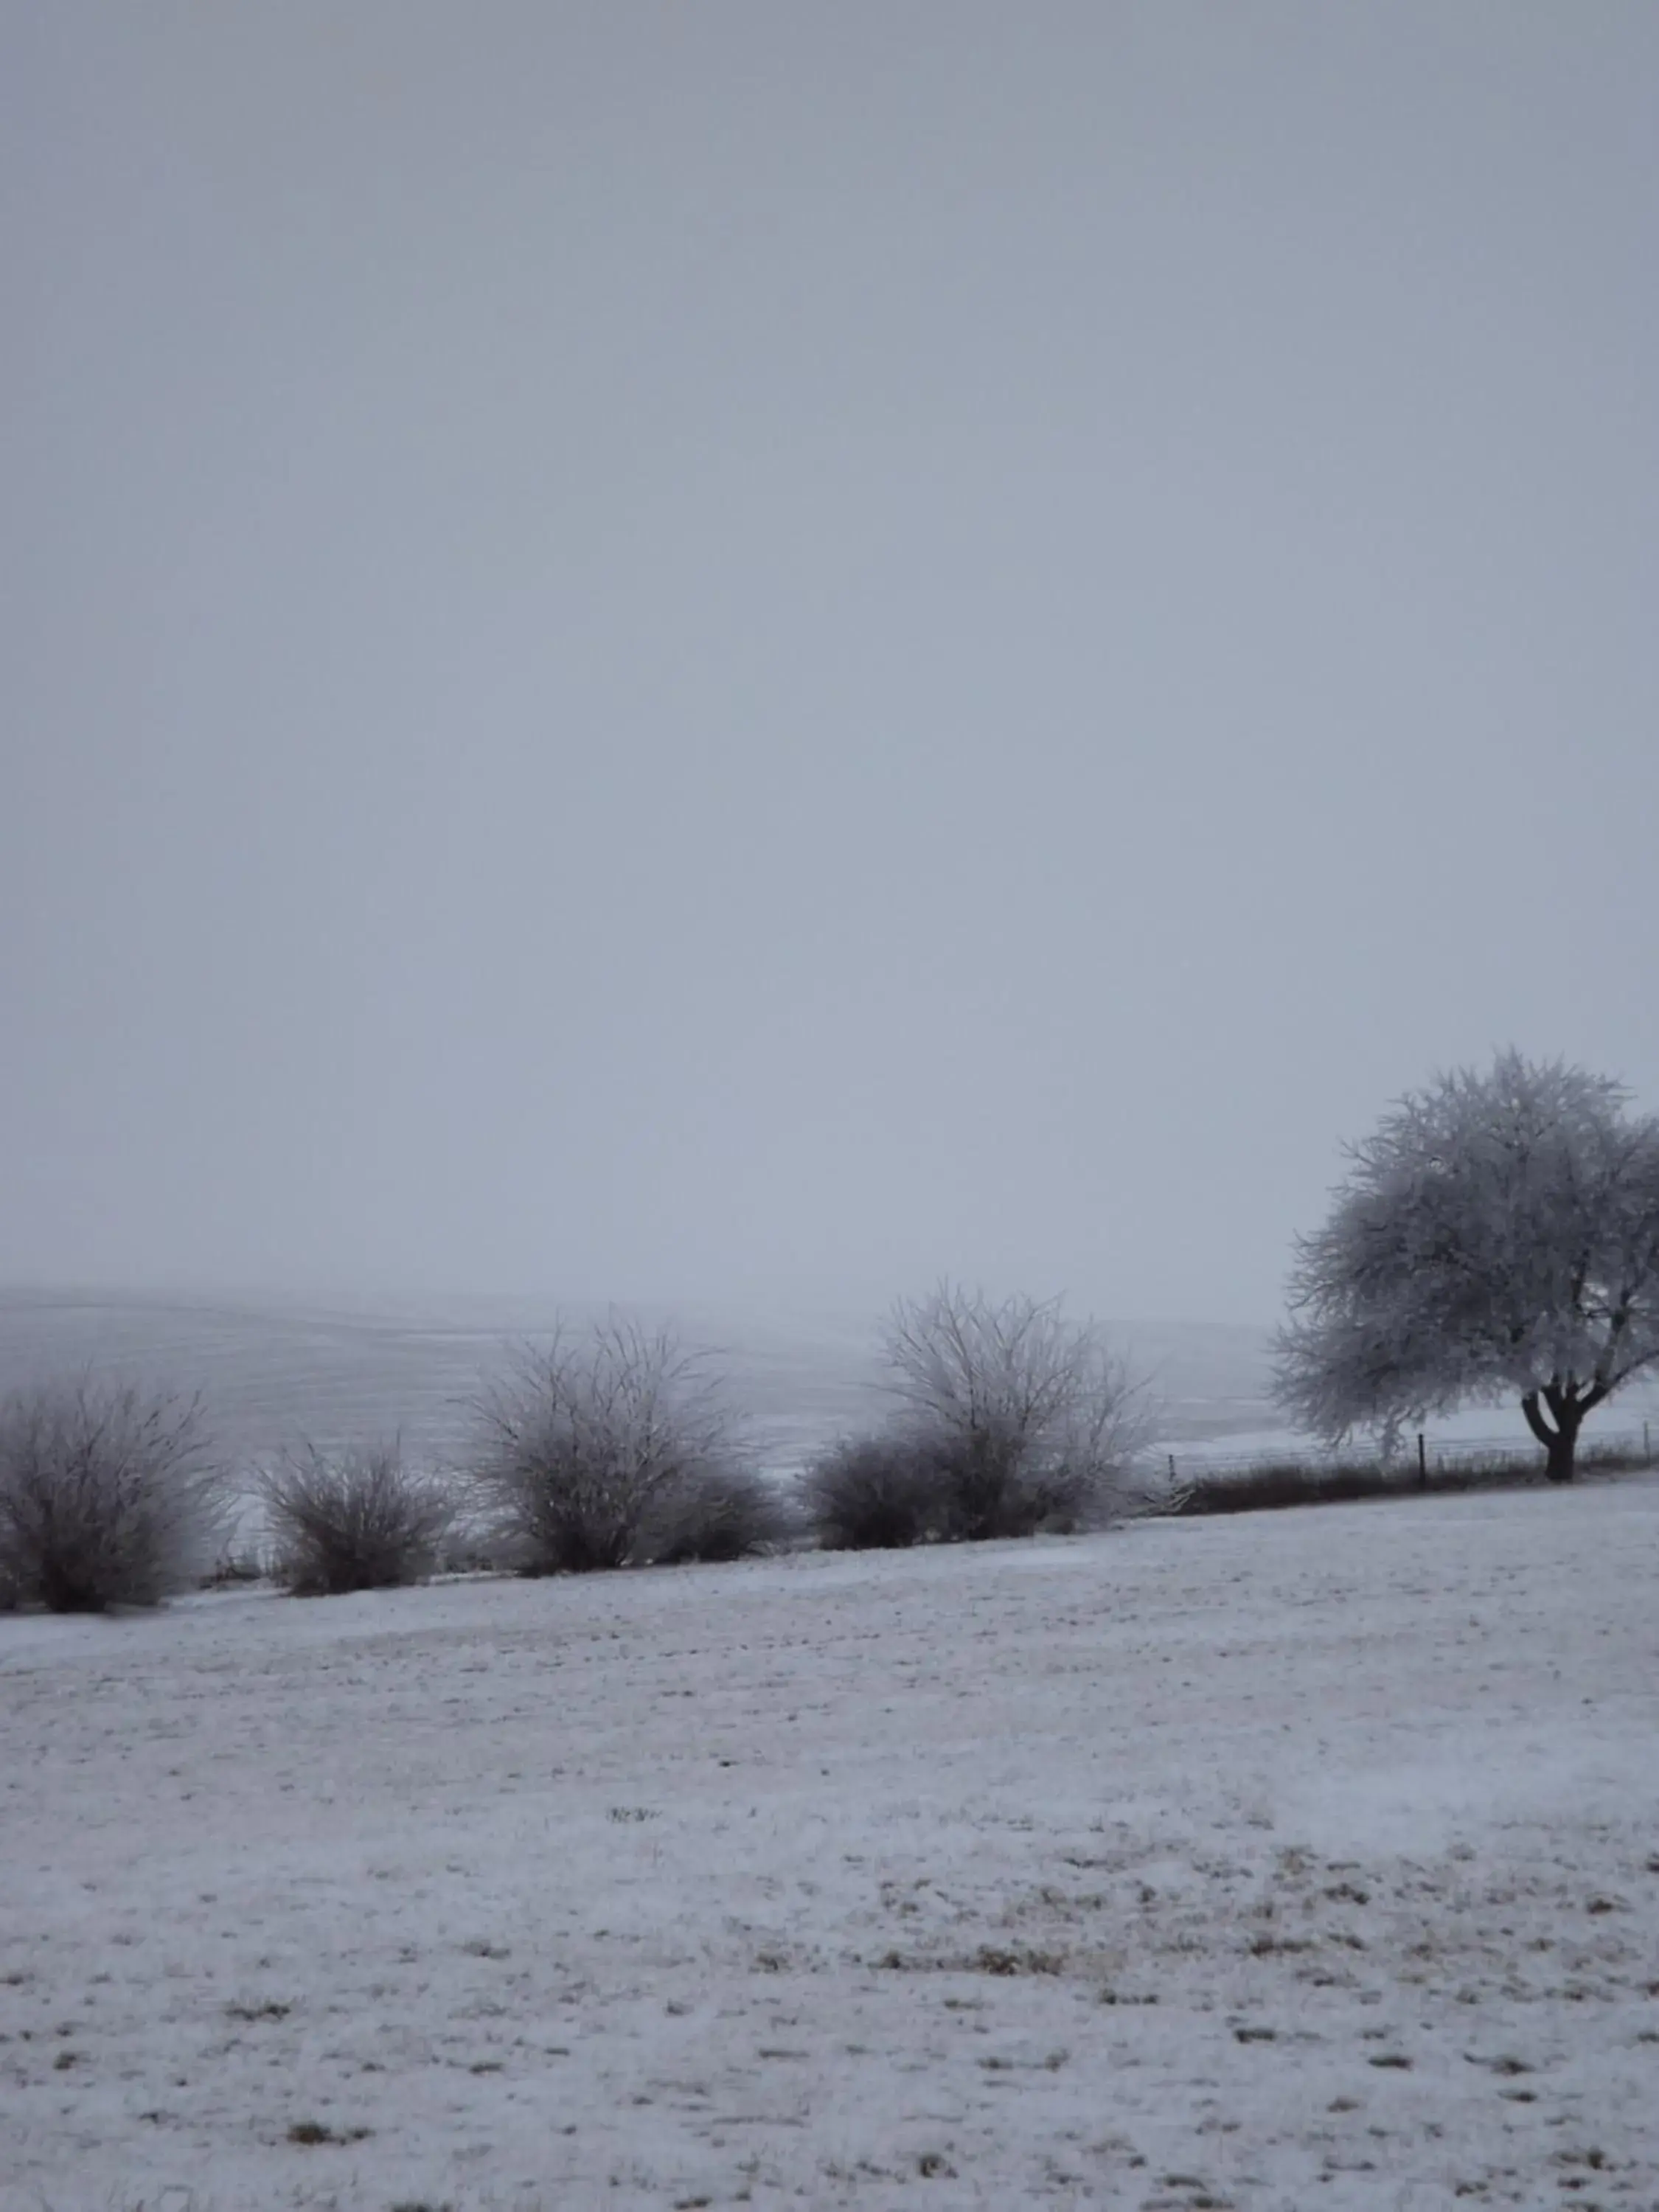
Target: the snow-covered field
pixel 1297 1860
pixel 272 1370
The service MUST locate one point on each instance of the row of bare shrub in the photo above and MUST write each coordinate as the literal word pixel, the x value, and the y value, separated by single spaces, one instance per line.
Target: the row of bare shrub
pixel 107 1497
pixel 1007 1418
pixel 613 1448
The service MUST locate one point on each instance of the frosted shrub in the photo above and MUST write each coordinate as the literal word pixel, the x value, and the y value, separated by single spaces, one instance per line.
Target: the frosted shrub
pixel 989 1484
pixel 107 1497
pixel 359 1521
pixel 872 1494
pixel 1025 1420
pixel 720 1513
pixel 584 1447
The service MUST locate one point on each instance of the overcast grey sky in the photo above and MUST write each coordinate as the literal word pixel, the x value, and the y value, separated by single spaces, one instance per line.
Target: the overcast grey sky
pixel 759 651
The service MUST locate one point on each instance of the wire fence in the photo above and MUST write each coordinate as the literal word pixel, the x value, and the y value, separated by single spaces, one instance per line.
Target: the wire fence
pixel 1306 1476
pixel 1632 1447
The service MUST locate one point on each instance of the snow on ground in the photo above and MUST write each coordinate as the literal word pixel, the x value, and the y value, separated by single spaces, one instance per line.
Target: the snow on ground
pixel 1305 1859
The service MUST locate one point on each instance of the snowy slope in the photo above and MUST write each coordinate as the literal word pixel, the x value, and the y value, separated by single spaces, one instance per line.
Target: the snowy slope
pixel 1295 1860
pixel 274 1368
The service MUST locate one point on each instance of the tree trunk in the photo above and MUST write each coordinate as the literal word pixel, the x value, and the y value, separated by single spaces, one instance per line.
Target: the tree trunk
pixel 1561 1451
pixel 1561 1442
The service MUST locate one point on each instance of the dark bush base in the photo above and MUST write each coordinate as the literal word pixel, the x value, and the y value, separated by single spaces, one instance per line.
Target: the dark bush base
pixel 1293 1482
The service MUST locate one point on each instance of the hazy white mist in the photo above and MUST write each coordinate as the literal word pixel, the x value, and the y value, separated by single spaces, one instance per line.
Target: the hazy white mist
pixel 756 653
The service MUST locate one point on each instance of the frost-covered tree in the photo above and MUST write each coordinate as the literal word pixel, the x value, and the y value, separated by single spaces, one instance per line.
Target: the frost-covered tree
pixel 1497 1235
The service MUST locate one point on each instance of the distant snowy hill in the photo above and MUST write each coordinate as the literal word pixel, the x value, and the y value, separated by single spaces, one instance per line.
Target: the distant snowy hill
pixel 273 1369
